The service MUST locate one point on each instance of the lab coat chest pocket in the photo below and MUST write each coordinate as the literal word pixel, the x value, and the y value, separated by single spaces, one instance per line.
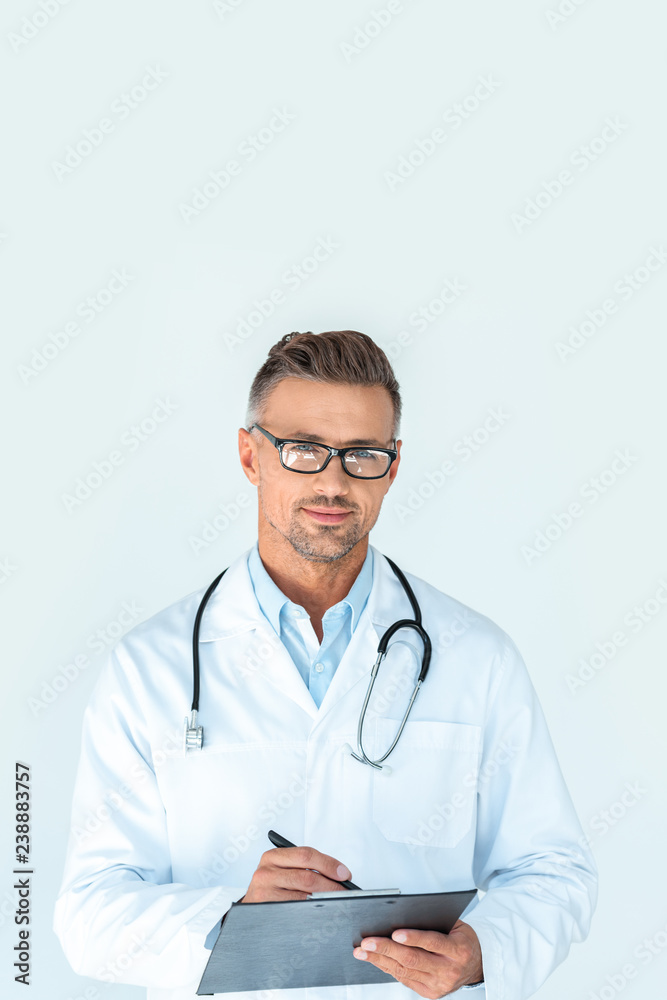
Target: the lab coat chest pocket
pixel 429 797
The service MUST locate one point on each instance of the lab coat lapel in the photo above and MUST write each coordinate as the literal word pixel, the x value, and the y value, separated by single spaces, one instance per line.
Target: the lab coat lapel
pixel 232 612
pixel 281 672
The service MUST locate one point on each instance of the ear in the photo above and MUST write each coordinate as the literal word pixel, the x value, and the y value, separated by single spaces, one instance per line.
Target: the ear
pixel 394 466
pixel 248 454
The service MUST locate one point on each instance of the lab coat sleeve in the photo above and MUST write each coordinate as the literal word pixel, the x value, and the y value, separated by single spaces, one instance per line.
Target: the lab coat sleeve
pixel 119 916
pixel 531 857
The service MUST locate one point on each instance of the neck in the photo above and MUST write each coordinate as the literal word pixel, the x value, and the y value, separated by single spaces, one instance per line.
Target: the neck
pixel 316 586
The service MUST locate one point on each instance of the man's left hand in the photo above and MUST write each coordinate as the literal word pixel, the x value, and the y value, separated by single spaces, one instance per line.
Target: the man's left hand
pixel 430 963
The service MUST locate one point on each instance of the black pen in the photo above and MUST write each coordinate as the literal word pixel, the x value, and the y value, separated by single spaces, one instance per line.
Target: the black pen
pixel 279 841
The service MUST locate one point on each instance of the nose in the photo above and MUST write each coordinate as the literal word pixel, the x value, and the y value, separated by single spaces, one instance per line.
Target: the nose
pixel 333 480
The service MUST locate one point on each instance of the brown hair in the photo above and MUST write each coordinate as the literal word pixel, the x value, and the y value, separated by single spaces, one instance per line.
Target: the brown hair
pixel 343 357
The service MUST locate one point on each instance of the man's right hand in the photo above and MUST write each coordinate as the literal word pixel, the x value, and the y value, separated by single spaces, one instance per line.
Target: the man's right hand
pixel 293 873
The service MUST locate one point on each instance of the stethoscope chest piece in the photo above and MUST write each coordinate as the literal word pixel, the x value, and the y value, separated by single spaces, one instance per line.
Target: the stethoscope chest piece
pixel 193 735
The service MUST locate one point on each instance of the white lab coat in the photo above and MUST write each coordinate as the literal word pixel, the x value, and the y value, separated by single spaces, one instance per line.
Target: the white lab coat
pixel 162 842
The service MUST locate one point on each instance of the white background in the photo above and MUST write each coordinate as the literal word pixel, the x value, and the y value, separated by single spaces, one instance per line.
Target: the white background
pixel 360 100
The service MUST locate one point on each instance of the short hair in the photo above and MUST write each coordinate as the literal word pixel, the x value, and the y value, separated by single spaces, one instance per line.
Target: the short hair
pixel 337 357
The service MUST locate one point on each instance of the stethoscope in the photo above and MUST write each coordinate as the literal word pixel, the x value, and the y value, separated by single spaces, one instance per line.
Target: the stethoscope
pixel 194 734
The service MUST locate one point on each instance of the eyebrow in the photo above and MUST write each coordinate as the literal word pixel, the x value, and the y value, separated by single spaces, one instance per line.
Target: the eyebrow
pixel 307 436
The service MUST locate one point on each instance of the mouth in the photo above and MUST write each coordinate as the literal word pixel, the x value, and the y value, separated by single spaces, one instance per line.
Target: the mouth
pixel 327 516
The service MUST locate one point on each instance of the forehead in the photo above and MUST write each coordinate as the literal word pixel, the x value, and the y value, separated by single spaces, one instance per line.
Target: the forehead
pixel 335 414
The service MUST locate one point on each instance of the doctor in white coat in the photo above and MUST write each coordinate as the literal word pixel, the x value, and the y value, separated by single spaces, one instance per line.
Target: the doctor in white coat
pixel 164 840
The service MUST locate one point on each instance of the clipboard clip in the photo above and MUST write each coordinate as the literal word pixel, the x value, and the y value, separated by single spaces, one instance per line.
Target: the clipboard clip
pixel 336 894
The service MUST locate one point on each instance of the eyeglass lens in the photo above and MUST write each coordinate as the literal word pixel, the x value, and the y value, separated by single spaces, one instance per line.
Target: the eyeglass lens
pixel 310 457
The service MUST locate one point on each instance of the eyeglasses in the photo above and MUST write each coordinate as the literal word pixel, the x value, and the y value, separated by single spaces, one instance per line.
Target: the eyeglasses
pixel 310 457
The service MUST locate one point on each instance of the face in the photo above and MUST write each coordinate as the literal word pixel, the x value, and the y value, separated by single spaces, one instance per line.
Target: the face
pixel 296 505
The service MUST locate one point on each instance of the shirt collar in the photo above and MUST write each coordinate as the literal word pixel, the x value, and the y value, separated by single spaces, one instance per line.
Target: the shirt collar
pixel 271 599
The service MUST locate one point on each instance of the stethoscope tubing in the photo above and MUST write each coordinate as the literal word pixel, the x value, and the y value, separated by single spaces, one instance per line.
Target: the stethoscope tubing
pixel 194 734
pixel 195 640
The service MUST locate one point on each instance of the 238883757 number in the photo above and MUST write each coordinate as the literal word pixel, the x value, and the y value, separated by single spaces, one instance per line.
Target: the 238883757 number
pixel 22 783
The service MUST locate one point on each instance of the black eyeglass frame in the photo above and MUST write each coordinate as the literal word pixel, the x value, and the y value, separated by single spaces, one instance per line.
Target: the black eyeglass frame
pixel 280 442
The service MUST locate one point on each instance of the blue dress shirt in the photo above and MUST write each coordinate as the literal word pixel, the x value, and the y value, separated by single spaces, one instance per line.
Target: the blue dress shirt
pixel 315 662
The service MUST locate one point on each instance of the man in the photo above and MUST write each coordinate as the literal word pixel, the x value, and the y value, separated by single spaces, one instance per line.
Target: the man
pixel 165 838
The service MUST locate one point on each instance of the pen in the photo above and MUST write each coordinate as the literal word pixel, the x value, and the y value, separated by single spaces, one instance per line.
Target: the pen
pixel 279 841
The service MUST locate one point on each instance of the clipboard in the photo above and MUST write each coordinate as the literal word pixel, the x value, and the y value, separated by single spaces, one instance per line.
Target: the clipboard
pixel 298 943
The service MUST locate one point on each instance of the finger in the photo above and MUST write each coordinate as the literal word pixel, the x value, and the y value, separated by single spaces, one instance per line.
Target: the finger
pixel 270 877
pixel 393 967
pixel 424 989
pixel 432 941
pixel 409 958
pixel 272 883
pixel 456 949
pixel 425 984
pixel 272 894
pixel 305 880
pixel 308 857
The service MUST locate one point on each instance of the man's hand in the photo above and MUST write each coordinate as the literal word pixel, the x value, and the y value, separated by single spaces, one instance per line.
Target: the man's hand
pixel 293 872
pixel 430 963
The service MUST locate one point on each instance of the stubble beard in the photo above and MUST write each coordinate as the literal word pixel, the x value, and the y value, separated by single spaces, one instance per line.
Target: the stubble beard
pixel 329 542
